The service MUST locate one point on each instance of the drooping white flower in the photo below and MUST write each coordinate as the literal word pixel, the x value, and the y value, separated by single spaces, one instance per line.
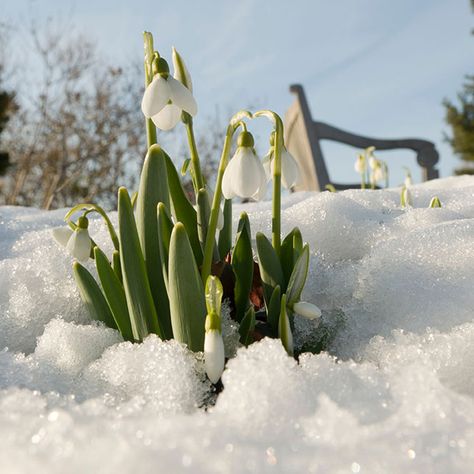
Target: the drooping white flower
pixel 244 176
pixel 214 355
pixel 77 242
pixel 370 158
pixel 378 172
pixel 307 310
pixel 360 164
pixel 165 98
pixel 289 167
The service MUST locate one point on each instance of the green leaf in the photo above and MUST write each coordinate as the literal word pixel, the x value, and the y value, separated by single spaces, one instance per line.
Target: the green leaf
pixel 186 292
pixel 140 303
pixel 273 309
pixel 298 277
pixel 297 244
pixel 203 215
pixel 286 256
pixel 247 326
pixel 183 210
pixel 153 189
pixel 184 168
pixel 242 265
pixel 165 227
pixel 116 265
pixel 114 294
pixel 225 235
pixel 213 296
pixel 203 212
pixel 284 329
pixel 270 267
pixel 92 295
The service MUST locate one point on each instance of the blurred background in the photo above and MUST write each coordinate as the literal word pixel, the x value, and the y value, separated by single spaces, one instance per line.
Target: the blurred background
pixel 71 83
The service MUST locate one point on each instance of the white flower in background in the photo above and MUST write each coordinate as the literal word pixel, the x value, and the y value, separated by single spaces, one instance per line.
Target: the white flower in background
pixel 166 96
pixel 370 158
pixel 214 355
pixel 244 176
pixel 307 310
pixel 360 164
pixel 77 242
pixel 408 179
pixel 378 172
pixel 289 167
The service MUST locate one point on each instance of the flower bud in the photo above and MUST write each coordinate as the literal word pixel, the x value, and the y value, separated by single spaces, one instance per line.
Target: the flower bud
pixel 214 356
pixel 307 310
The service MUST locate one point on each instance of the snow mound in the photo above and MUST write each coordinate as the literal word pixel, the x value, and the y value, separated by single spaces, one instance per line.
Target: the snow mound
pixel 394 393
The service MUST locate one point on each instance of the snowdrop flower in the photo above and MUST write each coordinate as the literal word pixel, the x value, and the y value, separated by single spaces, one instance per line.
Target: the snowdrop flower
pixel 360 164
pixel 214 356
pixel 370 158
pixel 244 176
pixel 289 167
pixel 166 96
pixel 307 310
pixel 77 242
pixel 378 173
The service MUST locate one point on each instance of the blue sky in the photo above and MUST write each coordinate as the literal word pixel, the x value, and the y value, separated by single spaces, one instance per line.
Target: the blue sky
pixel 375 67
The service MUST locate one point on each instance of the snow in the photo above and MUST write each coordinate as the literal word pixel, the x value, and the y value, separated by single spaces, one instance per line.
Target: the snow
pixel 394 393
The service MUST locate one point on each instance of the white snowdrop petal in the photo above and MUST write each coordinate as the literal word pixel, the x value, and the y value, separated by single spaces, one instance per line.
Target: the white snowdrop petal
pixel 248 178
pixel 62 235
pixel 156 96
pixel 359 165
pixel 227 180
pixel 79 245
pixel 181 96
pixel 214 356
pixel 266 163
pixel 168 117
pixel 289 170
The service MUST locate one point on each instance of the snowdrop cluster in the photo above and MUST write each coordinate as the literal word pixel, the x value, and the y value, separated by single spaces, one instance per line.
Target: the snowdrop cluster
pixel 174 258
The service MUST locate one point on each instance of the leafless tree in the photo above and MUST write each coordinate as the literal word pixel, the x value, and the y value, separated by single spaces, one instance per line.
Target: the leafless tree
pixel 81 132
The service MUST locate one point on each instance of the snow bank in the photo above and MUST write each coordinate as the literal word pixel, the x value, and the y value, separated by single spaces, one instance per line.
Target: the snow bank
pixel 395 393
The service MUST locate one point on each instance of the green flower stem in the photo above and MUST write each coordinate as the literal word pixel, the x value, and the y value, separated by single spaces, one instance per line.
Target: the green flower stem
pixel 276 204
pixel 198 179
pixel 150 126
pixel 362 180
pixel 95 208
pixel 211 231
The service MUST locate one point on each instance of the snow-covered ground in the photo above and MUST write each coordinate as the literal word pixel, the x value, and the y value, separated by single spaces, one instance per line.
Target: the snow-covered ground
pixel 394 394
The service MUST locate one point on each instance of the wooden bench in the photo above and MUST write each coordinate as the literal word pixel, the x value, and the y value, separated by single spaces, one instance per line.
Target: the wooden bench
pixel 303 136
